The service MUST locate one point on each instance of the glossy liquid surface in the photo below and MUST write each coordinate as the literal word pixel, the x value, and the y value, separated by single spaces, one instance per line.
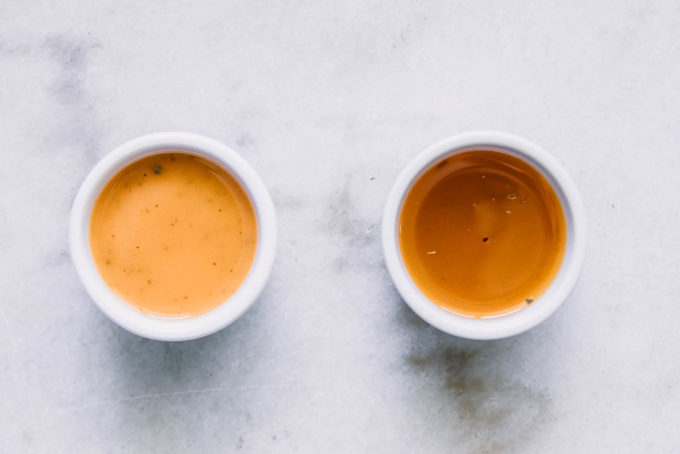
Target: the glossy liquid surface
pixel 482 233
pixel 174 235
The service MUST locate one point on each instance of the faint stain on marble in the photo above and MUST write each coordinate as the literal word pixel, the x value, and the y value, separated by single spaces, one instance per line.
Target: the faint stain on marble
pixel 357 236
pixel 72 57
pixel 496 414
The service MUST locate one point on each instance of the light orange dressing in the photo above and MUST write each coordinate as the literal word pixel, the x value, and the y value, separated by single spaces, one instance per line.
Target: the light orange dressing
pixel 173 235
pixel 482 233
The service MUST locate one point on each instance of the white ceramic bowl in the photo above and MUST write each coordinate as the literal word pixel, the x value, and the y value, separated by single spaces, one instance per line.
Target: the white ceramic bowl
pixel 125 315
pixel 546 304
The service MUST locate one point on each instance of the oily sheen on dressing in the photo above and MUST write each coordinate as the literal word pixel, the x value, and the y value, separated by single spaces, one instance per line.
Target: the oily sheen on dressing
pixel 482 233
pixel 173 234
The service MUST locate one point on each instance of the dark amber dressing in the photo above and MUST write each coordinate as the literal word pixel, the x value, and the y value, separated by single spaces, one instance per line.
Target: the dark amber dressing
pixel 482 233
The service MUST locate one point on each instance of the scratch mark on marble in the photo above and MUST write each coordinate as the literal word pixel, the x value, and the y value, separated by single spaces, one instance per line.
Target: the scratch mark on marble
pixel 102 403
pixel 13 348
pixel 20 366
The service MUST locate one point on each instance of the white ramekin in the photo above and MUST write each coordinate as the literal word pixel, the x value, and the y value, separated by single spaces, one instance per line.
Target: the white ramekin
pixel 546 304
pixel 125 315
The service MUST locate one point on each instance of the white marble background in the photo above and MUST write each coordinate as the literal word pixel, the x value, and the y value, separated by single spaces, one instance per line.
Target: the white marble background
pixel 328 101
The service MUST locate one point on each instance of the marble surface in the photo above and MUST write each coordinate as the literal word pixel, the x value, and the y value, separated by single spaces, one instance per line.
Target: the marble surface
pixel 328 101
